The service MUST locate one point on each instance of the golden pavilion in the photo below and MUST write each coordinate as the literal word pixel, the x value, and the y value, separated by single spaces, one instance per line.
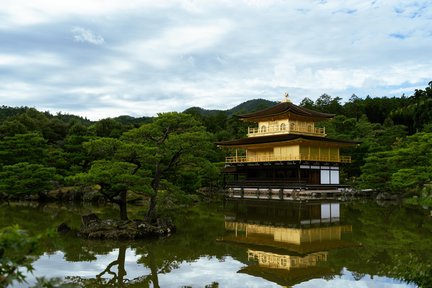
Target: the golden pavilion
pixel 286 149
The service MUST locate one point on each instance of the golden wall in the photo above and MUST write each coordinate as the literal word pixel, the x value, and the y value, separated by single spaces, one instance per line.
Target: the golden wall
pixel 294 152
pixel 282 152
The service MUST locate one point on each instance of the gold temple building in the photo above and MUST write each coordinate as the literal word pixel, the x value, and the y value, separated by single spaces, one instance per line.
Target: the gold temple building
pixel 286 149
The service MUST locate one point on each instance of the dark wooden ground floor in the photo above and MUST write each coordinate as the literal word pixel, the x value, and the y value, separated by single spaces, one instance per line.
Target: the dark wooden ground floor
pixel 296 175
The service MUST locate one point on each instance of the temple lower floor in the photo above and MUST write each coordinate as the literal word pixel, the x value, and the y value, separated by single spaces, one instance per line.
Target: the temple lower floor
pixel 283 174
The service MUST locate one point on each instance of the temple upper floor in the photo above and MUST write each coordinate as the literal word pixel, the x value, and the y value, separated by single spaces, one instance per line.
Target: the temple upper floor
pixel 286 126
pixel 286 118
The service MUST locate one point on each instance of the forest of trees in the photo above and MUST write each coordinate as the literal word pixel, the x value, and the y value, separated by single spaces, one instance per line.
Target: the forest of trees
pixel 174 152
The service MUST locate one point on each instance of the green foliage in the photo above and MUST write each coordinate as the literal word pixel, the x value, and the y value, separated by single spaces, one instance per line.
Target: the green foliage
pixel 425 198
pixel 407 167
pixel 406 178
pixel 12 127
pixel 102 148
pixel 55 130
pixel 170 145
pixel 8 112
pixel 15 246
pixel 113 177
pixel 26 179
pixel 108 128
pixel 31 148
pixel 307 103
pixel 132 121
pixel 74 157
pixel 325 103
pixel 170 151
pixel 172 140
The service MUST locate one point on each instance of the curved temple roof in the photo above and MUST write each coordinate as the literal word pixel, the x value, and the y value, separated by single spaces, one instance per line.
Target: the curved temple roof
pixel 282 138
pixel 283 108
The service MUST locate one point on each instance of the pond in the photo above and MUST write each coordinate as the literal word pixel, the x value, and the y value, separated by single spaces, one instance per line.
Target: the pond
pixel 241 244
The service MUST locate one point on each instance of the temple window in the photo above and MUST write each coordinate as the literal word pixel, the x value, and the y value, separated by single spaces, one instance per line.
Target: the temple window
pixel 263 129
pixel 282 127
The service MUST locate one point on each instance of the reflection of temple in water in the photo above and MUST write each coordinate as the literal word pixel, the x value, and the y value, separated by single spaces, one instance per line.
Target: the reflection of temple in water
pixel 273 260
pixel 288 242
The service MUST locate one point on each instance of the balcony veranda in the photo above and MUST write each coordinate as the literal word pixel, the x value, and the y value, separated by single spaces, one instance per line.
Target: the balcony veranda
pixel 300 157
pixel 274 130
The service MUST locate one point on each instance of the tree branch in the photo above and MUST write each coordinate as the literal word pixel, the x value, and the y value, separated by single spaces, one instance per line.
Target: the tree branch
pixel 165 136
pixel 108 269
pixel 173 160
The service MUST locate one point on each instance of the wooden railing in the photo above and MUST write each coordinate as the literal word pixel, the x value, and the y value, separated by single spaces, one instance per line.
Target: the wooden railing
pixel 301 157
pixel 273 130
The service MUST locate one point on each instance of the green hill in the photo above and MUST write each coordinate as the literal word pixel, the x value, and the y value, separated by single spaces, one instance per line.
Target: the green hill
pixel 243 108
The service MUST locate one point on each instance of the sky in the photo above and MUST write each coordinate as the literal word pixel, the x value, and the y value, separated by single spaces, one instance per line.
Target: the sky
pixel 105 58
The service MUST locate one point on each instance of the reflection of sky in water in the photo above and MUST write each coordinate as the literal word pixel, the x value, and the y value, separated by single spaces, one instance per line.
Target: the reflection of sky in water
pixel 206 270
pixel 347 281
pixel 54 265
pixel 199 273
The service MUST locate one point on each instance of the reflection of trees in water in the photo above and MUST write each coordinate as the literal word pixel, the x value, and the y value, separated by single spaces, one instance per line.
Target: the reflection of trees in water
pixel 121 271
pixel 394 243
pixel 114 275
pixel 198 229
pixel 157 258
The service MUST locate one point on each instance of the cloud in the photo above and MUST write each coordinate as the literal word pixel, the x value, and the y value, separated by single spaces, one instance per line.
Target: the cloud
pixel 399 35
pixel 84 35
pixel 172 44
pixel 170 55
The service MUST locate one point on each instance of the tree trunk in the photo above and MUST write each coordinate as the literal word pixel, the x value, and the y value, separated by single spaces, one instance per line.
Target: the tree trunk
pixel 151 216
pixel 153 268
pixel 121 265
pixel 123 206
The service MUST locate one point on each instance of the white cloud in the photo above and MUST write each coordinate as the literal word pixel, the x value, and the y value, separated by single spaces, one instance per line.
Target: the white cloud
pixel 24 13
pixel 34 58
pixel 84 35
pixel 168 47
pixel 169 55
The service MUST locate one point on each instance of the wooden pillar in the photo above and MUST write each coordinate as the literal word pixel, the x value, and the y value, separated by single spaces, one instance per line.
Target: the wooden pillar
pixel 299 214
pixel 274 172
pixel 298 173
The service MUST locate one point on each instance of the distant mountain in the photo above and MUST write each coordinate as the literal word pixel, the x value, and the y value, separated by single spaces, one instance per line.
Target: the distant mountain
pixel 250 106
pixel 7 112
pixel 243 108
pixel 136 121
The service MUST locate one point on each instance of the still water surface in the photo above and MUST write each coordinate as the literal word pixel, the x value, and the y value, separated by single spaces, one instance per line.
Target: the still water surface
pixel 244 244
